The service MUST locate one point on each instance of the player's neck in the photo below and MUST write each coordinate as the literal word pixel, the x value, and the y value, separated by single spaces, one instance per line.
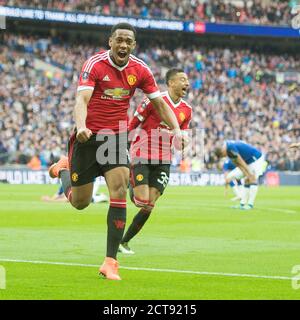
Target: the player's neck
pixel 174 97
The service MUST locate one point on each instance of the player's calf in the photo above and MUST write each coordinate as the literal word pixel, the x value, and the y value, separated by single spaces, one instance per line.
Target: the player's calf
pixel 136 225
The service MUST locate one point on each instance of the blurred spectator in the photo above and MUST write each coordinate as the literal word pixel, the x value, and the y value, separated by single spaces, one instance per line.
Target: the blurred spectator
pixel 185 165
pixel 34 163
pixel 3 154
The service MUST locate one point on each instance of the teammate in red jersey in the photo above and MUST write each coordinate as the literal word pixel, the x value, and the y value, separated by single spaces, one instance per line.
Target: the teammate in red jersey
pixel 98 145
pixel 151 161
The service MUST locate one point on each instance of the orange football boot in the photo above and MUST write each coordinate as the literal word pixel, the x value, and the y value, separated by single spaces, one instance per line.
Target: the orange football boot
pixel 109 269
pixel 62 163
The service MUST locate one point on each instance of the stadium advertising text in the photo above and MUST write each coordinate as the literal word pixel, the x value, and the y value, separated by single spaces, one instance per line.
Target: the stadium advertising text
pixel 26 176
pixel 82 18
pixel 158 24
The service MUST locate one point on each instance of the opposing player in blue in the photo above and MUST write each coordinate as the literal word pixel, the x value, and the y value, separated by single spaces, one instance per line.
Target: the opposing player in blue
pixel 235 184
pixel 250 164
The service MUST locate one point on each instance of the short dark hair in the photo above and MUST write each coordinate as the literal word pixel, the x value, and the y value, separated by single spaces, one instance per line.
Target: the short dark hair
pixel 171 73
pixel 218 152
pixel 123 25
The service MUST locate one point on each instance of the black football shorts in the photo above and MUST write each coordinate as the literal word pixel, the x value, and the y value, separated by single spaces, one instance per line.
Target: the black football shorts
pixel 154 175
pixel 96 156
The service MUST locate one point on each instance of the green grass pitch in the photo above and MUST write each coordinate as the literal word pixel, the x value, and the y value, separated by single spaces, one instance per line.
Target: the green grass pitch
pixel 193 247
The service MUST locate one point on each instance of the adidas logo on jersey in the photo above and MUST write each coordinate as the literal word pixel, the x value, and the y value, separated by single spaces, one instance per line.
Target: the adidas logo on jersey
pixel 106 78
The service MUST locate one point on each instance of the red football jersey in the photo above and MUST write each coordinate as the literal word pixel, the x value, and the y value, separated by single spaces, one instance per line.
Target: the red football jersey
pixel 156 139
pixel 113 86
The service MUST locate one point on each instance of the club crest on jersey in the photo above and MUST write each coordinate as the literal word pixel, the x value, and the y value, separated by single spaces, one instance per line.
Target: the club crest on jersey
pixel 74 177
pixel 181 116
pixel 139 177
pixel 131 79
pixel 85 76
pixel 117 93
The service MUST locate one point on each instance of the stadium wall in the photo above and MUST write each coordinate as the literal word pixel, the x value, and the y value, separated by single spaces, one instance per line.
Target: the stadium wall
pixel 272 178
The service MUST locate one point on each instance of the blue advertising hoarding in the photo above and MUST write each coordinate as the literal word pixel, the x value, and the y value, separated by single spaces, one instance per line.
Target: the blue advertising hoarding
pixel 156 24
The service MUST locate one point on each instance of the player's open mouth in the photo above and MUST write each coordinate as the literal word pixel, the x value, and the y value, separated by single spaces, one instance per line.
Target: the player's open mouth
pixel 184 90
pixel 122 54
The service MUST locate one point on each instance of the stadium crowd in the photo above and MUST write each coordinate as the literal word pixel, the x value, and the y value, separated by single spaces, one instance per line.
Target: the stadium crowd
pixel 234 93
pixel 249 11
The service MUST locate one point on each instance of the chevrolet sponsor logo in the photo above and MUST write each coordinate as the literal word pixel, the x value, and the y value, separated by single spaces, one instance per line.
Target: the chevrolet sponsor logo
pixel 117 93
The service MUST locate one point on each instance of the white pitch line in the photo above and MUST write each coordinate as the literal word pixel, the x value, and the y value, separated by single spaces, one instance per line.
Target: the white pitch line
pixel 240 275
pixel 209 206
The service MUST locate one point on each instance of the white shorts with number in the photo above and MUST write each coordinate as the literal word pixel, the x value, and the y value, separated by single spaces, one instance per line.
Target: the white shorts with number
pixel 257 168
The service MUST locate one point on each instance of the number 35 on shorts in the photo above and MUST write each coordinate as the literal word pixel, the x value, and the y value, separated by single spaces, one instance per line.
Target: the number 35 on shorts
pixel 164 179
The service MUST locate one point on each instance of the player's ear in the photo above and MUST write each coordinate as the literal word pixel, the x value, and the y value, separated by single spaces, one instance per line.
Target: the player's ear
pixel 171 83
pixel 110 42
pixel 133 45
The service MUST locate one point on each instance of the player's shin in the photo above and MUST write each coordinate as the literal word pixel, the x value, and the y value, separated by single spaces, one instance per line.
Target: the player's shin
pixel 136 225
pixel 116 220
pixel 245 195
pixel 66 183
pixel 236 191
pixel 240 187
pixel 252 194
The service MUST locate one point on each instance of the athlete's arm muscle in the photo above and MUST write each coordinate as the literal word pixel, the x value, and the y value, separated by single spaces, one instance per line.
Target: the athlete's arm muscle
pixel 239 162
pixel 80 113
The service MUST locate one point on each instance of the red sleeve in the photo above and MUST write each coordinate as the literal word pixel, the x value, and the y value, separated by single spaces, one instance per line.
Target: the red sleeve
pixel 88 76
pixel 140 115
pixel 134 123
pixel 148 84
pixel 143 110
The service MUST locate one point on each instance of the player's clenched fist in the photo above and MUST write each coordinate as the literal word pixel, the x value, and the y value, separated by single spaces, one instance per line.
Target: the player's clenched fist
pixel 251 179
pixel 180 141
pixel 83 134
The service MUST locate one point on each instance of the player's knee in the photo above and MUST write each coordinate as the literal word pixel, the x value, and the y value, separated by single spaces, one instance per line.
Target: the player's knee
pixel 80 205
pixel 141 200
pixel 120 191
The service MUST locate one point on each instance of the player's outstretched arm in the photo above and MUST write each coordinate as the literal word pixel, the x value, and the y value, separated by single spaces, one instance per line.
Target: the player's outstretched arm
pixel 294 145
pixel 80 112
pixel 227 181
pixel 166 114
